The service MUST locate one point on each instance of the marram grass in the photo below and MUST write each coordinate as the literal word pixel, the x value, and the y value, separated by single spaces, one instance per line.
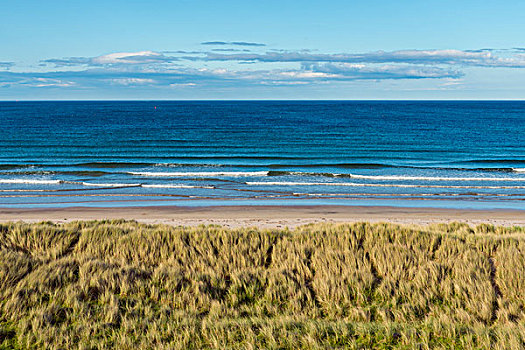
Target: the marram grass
pixel 120 284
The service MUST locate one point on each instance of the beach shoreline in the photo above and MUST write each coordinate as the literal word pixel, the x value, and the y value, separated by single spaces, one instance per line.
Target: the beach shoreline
pixel 267 216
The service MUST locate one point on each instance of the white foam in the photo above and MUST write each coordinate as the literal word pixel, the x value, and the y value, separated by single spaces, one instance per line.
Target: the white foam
pixel 31 182
pixel 373 194
pixel 92 184
pixel 289 183
pixel 175 186
pixel 144 185
pixel 109 184
pixel 431 178
pixel 200 173
pixel 352 184
pixel 518 170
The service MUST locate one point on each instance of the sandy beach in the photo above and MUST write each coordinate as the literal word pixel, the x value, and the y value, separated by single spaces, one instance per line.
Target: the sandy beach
pixel 267 216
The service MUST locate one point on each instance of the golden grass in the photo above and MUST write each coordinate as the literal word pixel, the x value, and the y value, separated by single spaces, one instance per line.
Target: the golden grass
pixel 120 284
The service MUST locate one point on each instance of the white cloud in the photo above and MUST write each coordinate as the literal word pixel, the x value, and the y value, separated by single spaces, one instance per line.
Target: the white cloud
pixel 300 74
pixel 115 59
pixel 130 58
pixel 132 81
pixel 6 65
pixel 375 71
pixel 430 57
pixel 44 82
pixel 158 70
pixel 182 85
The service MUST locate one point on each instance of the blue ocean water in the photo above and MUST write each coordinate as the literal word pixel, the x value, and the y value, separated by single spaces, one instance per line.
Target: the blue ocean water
pixel 443 154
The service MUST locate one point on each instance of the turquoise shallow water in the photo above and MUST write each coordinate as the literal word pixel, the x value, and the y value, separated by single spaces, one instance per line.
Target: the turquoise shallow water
pixel 442 154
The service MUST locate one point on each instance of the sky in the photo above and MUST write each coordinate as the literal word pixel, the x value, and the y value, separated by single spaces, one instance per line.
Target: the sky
pixel 197 49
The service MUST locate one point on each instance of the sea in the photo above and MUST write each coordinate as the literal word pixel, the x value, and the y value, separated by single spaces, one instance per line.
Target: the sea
pixel 453 154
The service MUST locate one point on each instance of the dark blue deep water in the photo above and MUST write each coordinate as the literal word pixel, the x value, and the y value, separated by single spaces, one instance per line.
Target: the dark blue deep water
pixel 452 154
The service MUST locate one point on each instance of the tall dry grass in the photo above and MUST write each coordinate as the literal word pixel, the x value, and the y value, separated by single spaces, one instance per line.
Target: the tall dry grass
pixel 118 284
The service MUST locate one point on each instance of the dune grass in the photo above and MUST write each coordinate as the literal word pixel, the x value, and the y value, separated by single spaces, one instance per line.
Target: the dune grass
pixel 125 285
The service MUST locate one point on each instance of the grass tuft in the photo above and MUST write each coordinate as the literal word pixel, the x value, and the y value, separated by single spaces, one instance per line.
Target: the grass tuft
pixel 121 284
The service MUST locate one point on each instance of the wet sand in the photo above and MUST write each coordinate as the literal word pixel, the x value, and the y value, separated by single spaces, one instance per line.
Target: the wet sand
pixel 267 216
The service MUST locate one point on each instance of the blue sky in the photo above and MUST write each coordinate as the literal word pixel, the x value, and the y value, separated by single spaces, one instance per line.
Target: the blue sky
pixel 191 49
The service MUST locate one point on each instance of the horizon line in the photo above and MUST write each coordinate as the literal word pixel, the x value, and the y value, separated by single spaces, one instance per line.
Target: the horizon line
pixel 263 100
